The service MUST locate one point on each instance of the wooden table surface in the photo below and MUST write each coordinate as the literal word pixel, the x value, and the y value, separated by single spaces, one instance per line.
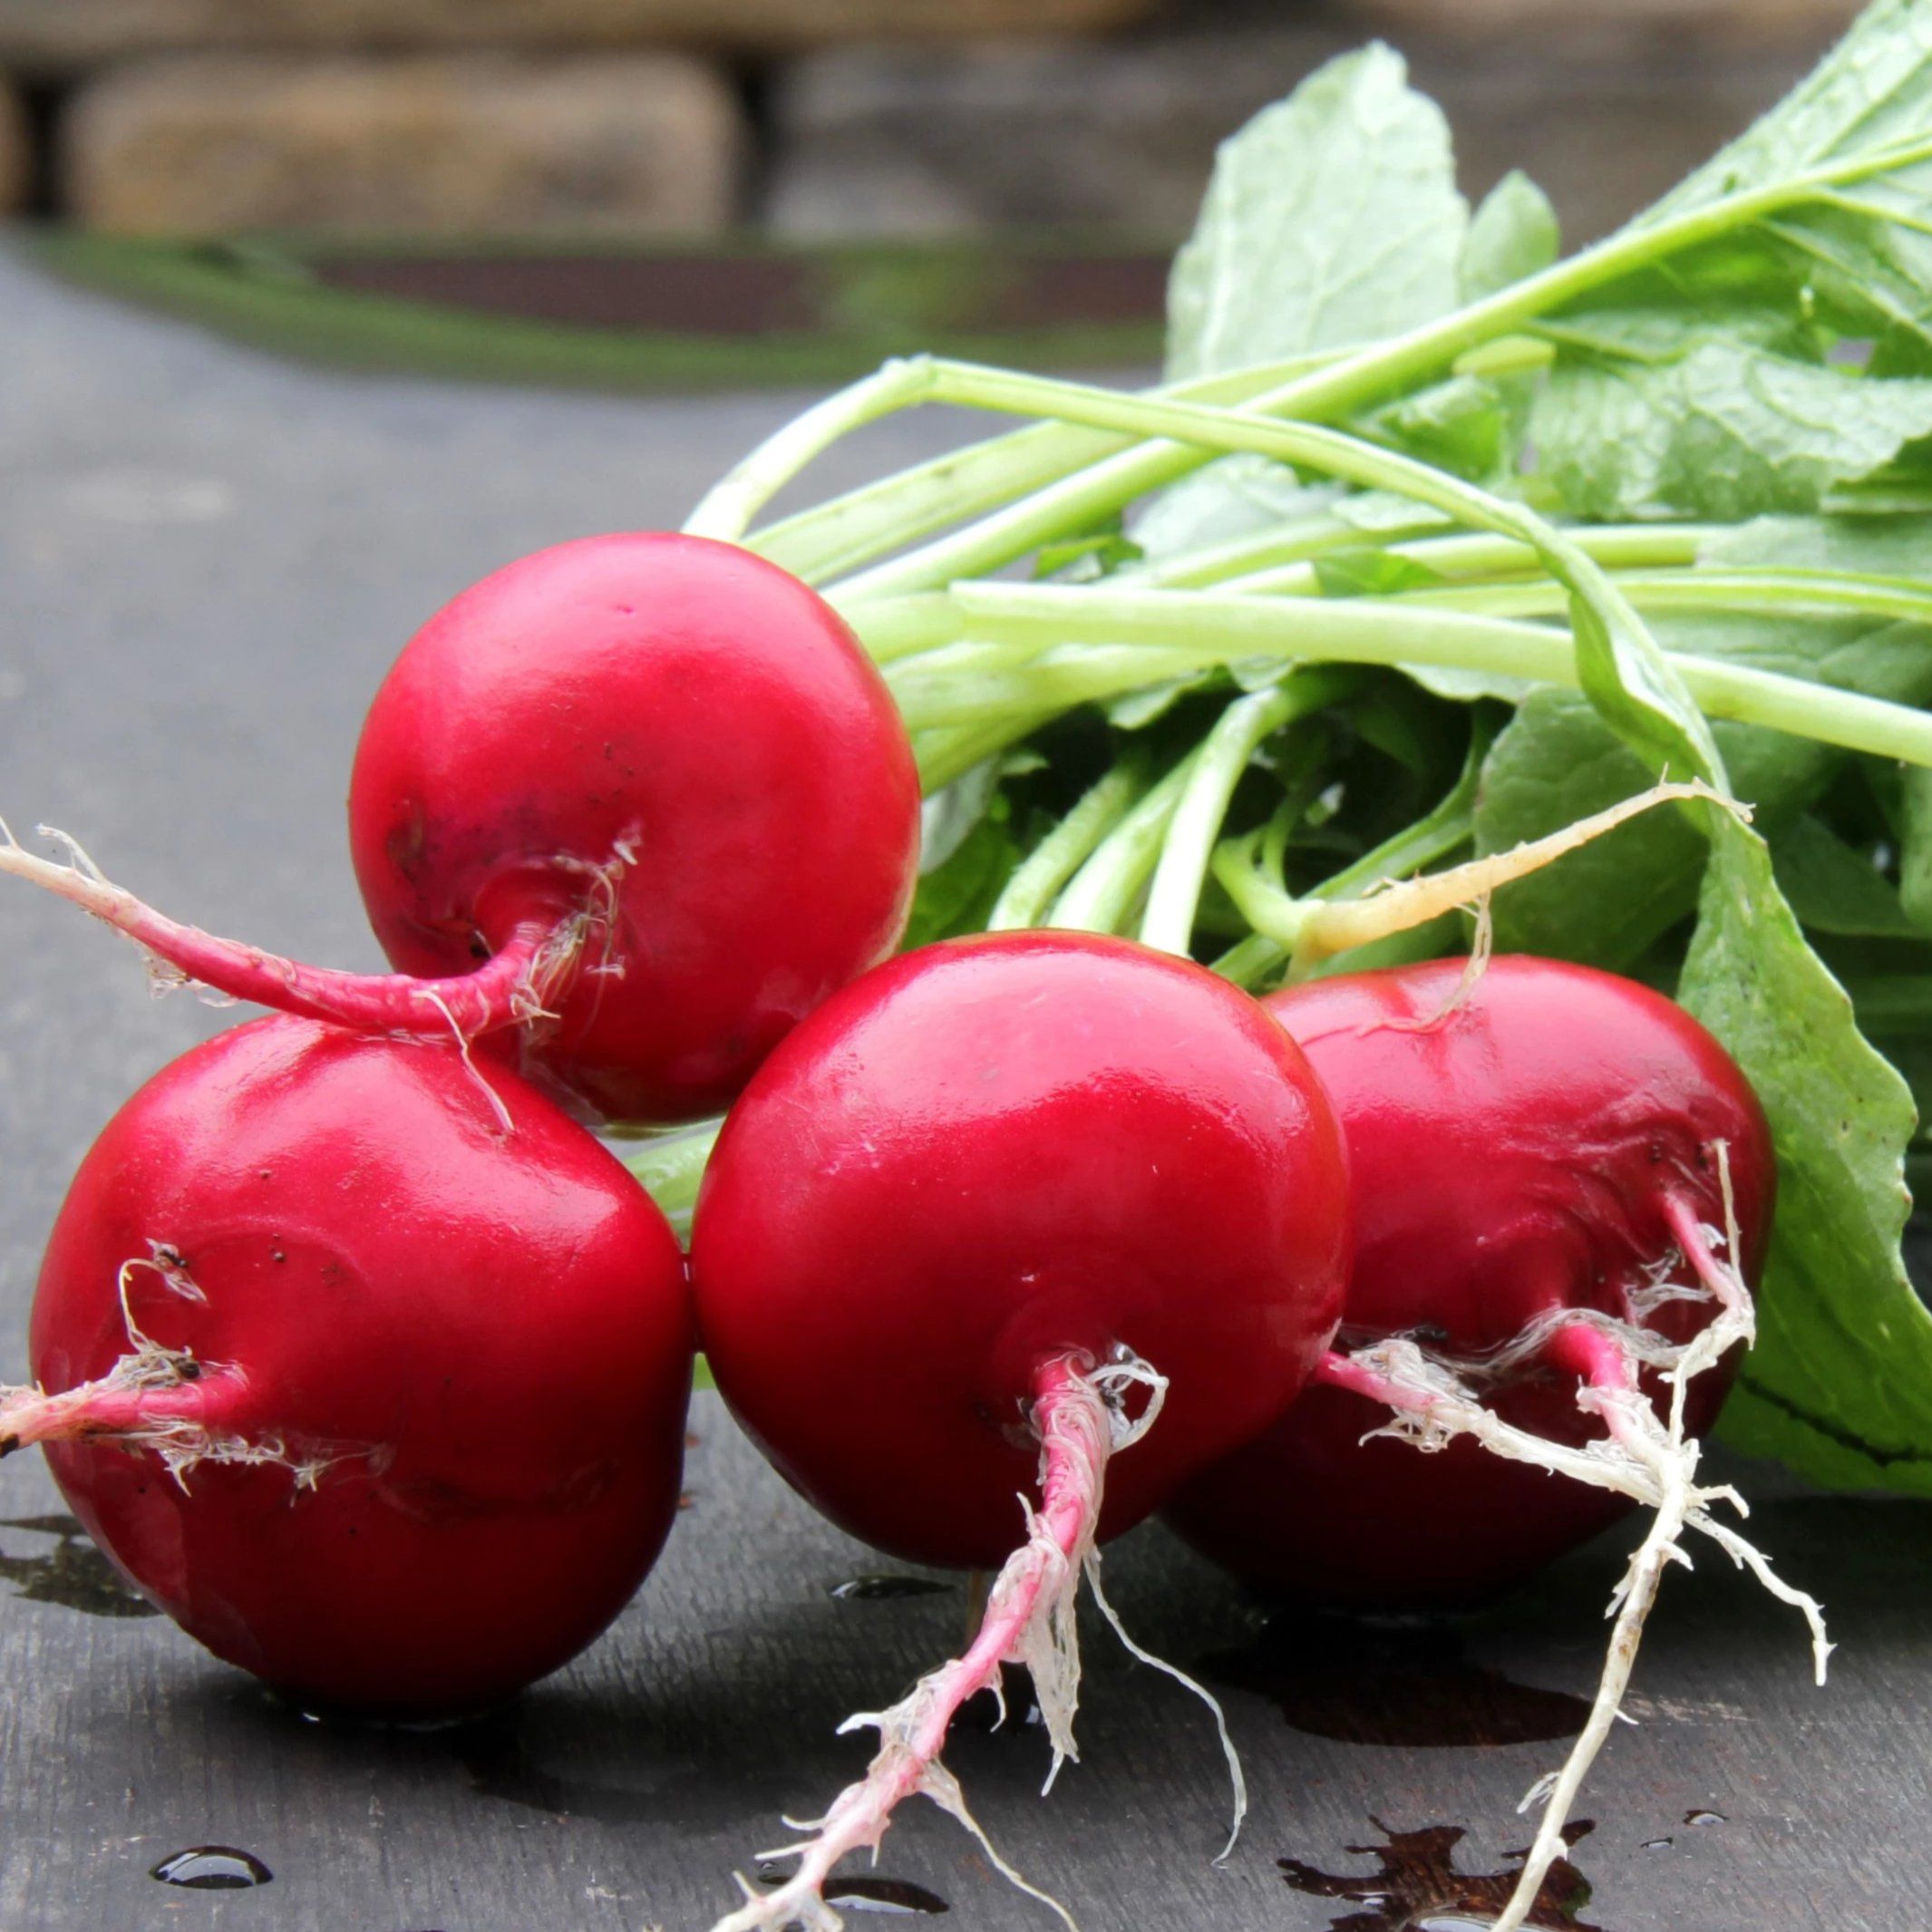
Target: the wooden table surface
pixel 205 560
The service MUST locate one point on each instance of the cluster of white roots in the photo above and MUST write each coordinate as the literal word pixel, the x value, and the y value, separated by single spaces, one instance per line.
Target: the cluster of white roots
pixel 1081 1419
pixel 1652 1462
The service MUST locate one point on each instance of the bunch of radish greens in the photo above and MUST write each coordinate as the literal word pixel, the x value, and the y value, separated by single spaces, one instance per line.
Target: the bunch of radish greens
pixel 1434 542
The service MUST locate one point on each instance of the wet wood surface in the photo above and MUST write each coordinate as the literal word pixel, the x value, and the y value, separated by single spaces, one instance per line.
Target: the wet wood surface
pixel 205 560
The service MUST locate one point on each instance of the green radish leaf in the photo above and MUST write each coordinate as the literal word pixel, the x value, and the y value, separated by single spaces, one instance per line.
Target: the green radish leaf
pixel 957 895
pixel 1839 1384
pixel 1656 319
pixel 1330 218
pixel 1383 514
pixel 1873 89
pixel 1557 762
pixel 1372 573
pixel 1728 431
pixel 1832 888
pixel 1514 235
pixel 1467 425
pixel 1914 851
pixel 1239 496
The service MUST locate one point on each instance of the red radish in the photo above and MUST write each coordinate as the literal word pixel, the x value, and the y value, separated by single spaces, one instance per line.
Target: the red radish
pixel 644 795
pixel 1562 1191
pixel 1548 1147
pixel 968 1204
pixel 425 1380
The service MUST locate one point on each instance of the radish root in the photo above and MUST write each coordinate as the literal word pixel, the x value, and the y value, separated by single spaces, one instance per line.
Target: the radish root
pixel 515 986
pixel 1337 926
pixel 1080 1416
pixel 1651 1461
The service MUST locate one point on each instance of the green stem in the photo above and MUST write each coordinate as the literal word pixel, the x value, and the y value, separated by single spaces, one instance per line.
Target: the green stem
pixel 908 625
pixel 1617 654
pixel 726 510
pixel 671 1167
pixel 948 751
pixel 1103 892
pixel 1168 631
pixel 1339 386
pixel 1481 554
pixel 1821 593
pixel 1279 919
pixel 1225 753
pixel 839 536
pixel 1054 860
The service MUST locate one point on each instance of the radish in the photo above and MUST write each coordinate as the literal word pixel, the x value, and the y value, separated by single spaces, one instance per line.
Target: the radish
pixel 1542 1156
pixel 985 1214
pixel 1562 1190
pixel 376 1401
pixel 579 795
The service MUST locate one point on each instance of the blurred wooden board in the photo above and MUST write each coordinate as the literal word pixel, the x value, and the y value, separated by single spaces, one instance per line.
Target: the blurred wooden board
pixel 207 560
pixel 741 314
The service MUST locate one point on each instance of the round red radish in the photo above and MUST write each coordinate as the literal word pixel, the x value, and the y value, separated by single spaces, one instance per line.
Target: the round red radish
pixel 1519 1156
pixel 672 699
pixel 635 805
pixel 996 1154
pixel 461 1355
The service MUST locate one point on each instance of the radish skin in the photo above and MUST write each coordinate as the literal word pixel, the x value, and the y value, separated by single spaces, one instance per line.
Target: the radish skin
pixel 624 812
pixel 1540 1154
pixel 376 1401
pixel 953 1222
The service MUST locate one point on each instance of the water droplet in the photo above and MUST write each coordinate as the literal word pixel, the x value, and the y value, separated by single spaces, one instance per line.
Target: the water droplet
pixel 72 1574
pixel 213 1869
pixel 884 1587
pixel 1703 1817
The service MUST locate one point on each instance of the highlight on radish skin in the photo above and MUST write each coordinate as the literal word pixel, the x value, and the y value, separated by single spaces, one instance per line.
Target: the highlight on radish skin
pixel 374 1400
pixel 960 1227
pixel 1562 1188
pixel 624 811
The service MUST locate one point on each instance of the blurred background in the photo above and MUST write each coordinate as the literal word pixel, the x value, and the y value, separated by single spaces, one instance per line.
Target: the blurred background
pixel 644 192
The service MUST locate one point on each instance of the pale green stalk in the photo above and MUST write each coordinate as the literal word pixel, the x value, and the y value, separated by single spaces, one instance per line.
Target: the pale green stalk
pixel 671 1167
pixel 837 535
pixel 948 751
pixel 1480 554
pixel 1174 896
pixel 1103 891
pixel 1176 629
pixel 1341 385
pixel 1280 920
pixel 1046 870
pixel 1821 593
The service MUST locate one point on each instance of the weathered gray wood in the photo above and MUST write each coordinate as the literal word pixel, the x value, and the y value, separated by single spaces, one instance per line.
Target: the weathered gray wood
pixel 205 562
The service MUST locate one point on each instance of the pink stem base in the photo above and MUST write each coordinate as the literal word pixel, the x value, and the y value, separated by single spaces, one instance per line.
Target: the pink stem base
pixel 138 1398
pixel 496 995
